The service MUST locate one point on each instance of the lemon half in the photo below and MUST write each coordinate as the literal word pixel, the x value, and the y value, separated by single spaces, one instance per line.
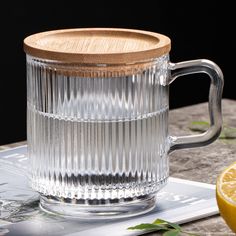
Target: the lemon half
pixel 226 196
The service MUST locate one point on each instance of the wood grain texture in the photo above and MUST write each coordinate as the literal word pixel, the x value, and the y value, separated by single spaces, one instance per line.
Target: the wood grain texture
pixel 97 45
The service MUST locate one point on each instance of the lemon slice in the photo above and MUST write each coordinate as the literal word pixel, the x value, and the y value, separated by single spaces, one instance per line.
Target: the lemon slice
pixel 226 196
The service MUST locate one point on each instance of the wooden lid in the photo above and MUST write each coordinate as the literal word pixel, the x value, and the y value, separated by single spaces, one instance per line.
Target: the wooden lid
pixel 97 45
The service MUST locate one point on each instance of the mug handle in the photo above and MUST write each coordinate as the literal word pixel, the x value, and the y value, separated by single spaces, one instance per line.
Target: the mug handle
pixel 214 103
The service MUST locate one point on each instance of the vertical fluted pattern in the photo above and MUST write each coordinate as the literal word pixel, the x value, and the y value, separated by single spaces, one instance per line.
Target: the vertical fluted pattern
pixel 97 138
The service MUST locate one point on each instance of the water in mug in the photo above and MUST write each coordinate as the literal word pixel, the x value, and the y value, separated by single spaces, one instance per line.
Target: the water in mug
pixel 119 152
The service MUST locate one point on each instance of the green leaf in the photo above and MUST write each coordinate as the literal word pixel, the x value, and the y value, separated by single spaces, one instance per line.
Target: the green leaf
pixel 159 221
pixel 148 227
pixel 174 232
pixel 166 227
pixel 175 226
pixel 228 133
pixel 202 126
pixel 167 223
pixel 199 126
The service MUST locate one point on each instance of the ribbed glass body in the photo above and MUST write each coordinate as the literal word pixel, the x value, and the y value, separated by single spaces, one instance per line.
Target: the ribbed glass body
pixel 97 140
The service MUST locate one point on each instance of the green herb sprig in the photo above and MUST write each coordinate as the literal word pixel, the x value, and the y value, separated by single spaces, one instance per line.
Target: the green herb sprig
pixel 163 226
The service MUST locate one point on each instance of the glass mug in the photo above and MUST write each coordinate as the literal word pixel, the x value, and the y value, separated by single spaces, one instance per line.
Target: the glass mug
pixel 97 118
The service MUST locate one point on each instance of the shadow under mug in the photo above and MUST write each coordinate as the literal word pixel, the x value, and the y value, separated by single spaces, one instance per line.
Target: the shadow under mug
pixel 97 119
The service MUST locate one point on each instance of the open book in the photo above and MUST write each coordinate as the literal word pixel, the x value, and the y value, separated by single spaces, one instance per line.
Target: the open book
pixel 179 201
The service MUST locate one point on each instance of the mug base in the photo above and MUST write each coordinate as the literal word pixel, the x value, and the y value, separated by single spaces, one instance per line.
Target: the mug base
pixel 127 208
